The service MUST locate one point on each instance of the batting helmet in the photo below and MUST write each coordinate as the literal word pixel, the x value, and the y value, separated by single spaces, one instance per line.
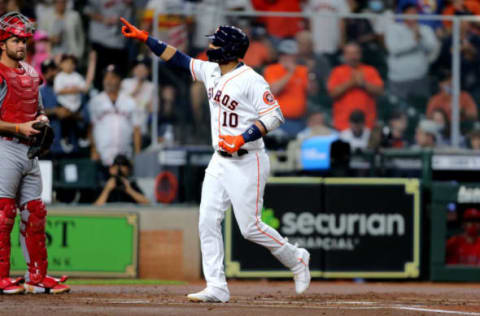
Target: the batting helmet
pixel 15 24
pixel 232 42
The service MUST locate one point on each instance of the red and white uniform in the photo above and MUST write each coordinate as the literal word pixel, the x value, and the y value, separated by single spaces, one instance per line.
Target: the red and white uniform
pixel 461 251
pixel 237 99
pixel 21 182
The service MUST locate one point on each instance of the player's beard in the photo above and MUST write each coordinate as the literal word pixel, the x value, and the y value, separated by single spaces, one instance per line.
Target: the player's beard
pixel 15 55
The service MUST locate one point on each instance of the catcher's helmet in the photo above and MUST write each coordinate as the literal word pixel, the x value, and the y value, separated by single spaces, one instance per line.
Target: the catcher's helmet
pixel 232 42
pixel 15 24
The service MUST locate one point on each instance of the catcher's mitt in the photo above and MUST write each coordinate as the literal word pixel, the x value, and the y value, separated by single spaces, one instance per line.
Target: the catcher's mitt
pixel 42 141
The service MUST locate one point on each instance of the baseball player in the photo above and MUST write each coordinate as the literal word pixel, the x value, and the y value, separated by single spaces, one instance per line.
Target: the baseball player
pixel 242 110
pixel 20 179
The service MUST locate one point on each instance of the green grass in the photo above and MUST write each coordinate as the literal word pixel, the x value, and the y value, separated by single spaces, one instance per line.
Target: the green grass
pixel 123 282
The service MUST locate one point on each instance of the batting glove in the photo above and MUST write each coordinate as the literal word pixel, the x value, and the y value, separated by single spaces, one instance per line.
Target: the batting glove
pixel 130 31
pixel 231 143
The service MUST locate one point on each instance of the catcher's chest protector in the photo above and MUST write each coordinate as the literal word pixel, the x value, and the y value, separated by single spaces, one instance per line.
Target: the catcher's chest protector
pixel 21 102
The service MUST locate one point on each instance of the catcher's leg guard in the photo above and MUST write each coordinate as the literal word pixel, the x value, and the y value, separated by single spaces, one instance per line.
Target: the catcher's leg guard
pixel 33 239
pixel 8 210
pixel 34 249
pixel 7 219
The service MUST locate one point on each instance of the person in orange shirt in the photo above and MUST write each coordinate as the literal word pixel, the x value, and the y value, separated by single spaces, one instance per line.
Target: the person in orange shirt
pixel 280 27
pixel 354 86
pixel 461 7
pixel 260 51
pixel 443 100
pixel 289 84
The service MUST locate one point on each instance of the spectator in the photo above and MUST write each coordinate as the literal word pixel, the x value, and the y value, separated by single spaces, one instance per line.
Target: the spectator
pixel 469 58
pixel 141 89
pixel 357 135
pixel 207 19
pixel 397 126
pixel 465 248
pixel 354 86
pixel 430 7
pixel 426 135
pixel 316 126
pixel 443 123
pixel 20 6
pixel 65 30
pixel 115 120
pixel 42 50
pixel 359 30
pixel 280 27
pixel 120 187
pixel 54 112
pixel 384 17
pixel 105 34
pixel 474 137
pixel 69 86
pixel 461 7
pixel 260 51
pixel 318 65
pixel 443 100
pixel 3 7
pixel 412 47
pixel 173 28
pixel 289 84
pixel 328 32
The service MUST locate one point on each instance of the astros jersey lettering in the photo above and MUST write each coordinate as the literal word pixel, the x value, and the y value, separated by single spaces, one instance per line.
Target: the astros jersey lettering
pixel 237 99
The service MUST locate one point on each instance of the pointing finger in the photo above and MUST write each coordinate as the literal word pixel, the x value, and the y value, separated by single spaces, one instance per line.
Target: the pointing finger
pixel 125 22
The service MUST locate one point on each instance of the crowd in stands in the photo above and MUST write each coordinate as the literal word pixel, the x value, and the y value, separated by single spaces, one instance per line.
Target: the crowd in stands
pixel 354 77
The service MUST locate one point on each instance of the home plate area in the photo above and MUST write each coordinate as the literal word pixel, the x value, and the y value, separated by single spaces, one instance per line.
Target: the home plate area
pixel 256 298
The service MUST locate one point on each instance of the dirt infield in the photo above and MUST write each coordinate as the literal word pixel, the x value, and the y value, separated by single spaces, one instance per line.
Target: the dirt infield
pixel 255 298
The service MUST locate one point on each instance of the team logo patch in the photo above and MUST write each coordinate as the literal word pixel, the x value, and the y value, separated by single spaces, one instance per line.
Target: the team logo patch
pixel 268 98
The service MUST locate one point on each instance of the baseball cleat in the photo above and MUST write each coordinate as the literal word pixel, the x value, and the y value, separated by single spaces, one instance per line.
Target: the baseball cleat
pixel 301 272
pixel 49 285
pixel 203 296
pixel 11 286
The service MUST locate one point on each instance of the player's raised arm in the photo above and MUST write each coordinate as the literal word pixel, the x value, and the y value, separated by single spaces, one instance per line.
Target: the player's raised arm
pixel 166 52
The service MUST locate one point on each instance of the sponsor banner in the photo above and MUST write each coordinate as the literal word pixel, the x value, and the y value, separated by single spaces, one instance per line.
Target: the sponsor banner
pixel 86 244
pixel 352 228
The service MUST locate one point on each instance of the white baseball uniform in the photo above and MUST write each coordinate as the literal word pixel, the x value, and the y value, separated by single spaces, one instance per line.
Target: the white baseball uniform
pixel 237 99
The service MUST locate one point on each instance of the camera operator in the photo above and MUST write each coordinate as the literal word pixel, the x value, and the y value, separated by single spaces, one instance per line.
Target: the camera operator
pixel 119 187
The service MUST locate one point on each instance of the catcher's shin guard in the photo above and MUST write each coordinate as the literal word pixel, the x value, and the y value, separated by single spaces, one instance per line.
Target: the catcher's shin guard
pixel 8 211
pixel 7 219
pixel 32 239
pixel 34 249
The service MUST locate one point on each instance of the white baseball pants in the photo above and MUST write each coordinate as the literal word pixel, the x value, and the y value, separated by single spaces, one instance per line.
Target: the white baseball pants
pixel 240 182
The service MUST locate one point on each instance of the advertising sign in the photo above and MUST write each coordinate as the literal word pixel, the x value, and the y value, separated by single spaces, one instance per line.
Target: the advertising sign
pixel 86 244
pixel 353 228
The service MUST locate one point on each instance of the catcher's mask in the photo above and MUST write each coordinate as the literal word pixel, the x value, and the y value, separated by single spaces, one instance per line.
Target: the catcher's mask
pixel 15 24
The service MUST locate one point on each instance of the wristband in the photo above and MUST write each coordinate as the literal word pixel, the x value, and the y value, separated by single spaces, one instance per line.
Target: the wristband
pixel 17 128
pixel 252 133
pixel 157 47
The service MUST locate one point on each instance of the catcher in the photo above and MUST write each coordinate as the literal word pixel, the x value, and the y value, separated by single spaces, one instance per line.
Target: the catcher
pixel 24 135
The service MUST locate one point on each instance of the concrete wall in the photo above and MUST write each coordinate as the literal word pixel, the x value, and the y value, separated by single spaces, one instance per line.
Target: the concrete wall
pixel 169 246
